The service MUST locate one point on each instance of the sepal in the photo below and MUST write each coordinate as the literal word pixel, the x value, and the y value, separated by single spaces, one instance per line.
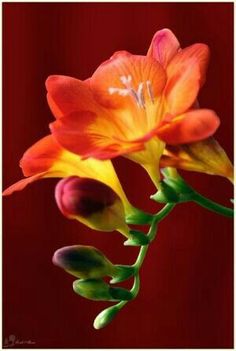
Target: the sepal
pixel 173 189
pixel 123 272
pixel 136 238
pixel 139 217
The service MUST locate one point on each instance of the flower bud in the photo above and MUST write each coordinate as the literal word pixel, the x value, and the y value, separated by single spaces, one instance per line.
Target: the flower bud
pixel 84 262
pixel 93 289
pixel 91 202
pixel 98 290
pixel 105 317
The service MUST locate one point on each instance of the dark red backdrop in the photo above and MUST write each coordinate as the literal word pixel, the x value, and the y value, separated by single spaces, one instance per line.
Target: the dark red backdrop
pixel 186 281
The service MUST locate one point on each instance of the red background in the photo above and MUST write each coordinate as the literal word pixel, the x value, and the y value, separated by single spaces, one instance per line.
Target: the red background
pixel 186 294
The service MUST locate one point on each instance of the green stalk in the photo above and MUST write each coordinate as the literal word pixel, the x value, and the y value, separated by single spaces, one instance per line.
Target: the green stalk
pixel 143 250
pixel 212 206
pixel 106 316
pixel 134 291
pixel 152 233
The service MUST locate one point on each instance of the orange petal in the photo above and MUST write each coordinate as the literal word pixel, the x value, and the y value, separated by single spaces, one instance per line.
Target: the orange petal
pixel 85 134
pixel 205 156
pixel 186 74
pixel 116 82
pixel 164 46
pixel 66 95
pixel 21 184
pixel 192 126
pixel 41 156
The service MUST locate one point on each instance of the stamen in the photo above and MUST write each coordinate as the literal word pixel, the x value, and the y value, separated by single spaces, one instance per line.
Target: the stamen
pixel 129 90
pixel 150 91
pixel 135 96
pixel 122 92
pixel 140 95
pixel 126 80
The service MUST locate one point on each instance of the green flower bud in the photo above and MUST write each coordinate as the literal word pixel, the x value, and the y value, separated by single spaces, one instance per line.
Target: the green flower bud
pixel 105 317
pixel 84 262
pixel 98 290
pixel 93 289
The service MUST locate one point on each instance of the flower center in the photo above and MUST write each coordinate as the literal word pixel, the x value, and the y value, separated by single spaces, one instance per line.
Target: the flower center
pixel 129 90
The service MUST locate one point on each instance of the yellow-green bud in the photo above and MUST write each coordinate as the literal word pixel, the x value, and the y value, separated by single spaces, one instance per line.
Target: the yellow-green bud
pixel 93 289
pixel 98 290
pixel 105 317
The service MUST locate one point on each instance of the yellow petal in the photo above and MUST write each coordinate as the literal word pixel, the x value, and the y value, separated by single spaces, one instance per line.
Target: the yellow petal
pixel 46 158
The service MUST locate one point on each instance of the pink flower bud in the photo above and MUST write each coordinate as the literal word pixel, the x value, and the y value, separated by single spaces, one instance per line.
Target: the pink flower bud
pixel 92 203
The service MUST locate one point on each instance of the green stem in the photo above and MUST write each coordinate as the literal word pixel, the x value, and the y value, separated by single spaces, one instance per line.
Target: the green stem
pixel 212 206
pixel 152 233
pixel 134 290
pixel 164 212
pixel 143 250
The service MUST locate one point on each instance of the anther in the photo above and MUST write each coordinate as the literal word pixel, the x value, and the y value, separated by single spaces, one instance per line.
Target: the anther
pixel 150 91
pixel 122 92
pixel 140 95
pixel 126 80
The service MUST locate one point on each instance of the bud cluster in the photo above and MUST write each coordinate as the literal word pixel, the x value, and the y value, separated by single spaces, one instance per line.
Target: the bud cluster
pixel 91 265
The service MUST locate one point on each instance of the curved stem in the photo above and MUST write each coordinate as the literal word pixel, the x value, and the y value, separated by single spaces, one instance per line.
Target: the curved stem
pixel 212 206
pixel 152 233
pixel 164 212
pixel 143 250
pixel 134 290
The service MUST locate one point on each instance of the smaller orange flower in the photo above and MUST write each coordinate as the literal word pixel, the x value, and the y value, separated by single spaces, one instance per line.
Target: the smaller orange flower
pixel 133 105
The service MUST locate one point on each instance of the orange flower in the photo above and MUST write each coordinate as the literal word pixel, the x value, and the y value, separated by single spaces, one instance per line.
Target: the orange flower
pixel 47 159
pixel 205 156
pixel 133 105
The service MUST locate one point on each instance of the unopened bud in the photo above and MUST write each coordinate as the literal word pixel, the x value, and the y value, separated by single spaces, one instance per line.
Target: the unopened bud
pixel 83 262
pixel 98 290
pixel 105 317
pixel 93 289
pixel 91 202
